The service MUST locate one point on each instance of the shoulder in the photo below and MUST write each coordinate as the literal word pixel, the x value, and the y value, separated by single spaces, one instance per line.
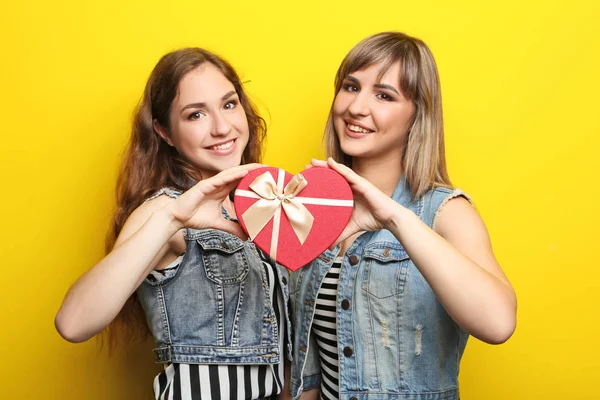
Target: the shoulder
pixel 155 202
pixel 430 205
pixel 165 192
pixel 458 217
pixel 141 215
pixel 150 206
pixel 441 195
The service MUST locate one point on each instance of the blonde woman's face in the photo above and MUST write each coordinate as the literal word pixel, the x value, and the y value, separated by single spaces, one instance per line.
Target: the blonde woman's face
pixel 370 115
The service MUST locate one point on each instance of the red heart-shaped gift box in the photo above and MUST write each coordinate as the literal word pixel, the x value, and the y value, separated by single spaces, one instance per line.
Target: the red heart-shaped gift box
pixel 326 197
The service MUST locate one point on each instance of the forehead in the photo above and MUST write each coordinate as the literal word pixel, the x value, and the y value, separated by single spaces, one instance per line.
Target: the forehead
pixel 203 84
pixel 379 72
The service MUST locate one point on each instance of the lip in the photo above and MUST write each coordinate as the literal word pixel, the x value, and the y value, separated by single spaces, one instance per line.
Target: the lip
pixel 224 152
pixel 356 135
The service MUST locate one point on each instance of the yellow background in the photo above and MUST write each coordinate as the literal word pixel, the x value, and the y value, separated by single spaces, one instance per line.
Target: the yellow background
pixel 520 86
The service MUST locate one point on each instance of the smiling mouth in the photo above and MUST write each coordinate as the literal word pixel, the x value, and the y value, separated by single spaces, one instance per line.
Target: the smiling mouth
pixel 357 129
pixel 222 146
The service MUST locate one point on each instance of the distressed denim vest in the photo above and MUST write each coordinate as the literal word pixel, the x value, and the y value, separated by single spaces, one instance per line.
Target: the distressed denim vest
pixel 395 340
pixel 215 309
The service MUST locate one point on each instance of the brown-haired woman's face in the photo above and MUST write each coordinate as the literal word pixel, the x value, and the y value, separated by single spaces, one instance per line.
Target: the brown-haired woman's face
pixel 208 125
pixel 370 115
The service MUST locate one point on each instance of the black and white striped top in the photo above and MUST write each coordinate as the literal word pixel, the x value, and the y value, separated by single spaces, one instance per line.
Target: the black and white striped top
pixel 325 330
pixel 224 382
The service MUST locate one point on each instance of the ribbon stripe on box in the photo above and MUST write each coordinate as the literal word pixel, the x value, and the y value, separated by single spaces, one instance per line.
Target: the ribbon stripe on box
pixel 316 206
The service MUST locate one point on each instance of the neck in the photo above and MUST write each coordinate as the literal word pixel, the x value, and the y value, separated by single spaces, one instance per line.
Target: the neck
pixel 228 204
pixel 384 174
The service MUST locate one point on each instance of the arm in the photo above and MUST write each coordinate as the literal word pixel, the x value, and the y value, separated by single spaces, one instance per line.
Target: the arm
pixel 313 394
pixel 456 258
pixel 96 298
pixel 457 261
pixel 146 241
pixel 286 393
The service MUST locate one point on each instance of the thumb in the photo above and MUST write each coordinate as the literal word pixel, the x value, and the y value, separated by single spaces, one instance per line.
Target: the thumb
pixel 348 231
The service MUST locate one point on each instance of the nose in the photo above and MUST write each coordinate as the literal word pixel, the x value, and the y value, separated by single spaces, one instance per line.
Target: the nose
pixel 359 106
pixel 220 125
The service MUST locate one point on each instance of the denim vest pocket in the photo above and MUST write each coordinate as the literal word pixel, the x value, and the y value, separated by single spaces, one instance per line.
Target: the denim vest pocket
pixel 224 257
pixel 384 269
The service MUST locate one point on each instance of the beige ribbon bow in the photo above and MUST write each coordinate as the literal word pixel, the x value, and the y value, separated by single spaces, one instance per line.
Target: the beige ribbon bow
pixel 270 202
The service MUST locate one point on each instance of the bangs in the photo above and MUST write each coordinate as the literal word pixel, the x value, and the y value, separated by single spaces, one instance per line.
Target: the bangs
pixel 387 55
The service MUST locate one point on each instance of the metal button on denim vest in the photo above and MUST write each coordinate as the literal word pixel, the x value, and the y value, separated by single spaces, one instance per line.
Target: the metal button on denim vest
pixel 216 308
pixel 395 340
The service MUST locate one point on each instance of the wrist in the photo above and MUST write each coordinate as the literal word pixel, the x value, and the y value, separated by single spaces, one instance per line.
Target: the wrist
pixel 398 218
pixel 165 216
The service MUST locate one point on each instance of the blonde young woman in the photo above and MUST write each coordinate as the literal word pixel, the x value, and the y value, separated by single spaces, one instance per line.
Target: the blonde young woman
pixel 386 314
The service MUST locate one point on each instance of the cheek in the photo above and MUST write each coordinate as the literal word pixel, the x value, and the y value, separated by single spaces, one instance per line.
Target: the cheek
pixel 193 132
pixel 392 119
pixel 384 119
pixel 240 120
pixel 191 135
pixel 340 104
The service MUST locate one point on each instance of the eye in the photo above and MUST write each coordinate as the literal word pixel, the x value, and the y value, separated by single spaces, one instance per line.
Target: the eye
pixel 349 87
pixel 384 96
pixel 196 115
pixel 230 105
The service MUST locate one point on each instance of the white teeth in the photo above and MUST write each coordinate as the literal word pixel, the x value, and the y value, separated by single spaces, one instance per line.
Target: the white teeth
pixel 357 129
pixel 223 146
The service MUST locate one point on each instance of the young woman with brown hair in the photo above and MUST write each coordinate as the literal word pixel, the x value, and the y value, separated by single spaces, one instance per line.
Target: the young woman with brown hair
pixel 216 306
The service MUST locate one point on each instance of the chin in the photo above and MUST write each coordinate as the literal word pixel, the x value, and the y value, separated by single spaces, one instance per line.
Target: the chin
pixel 234 161
pixel 355 149
pixel 211 169
pixel 223 166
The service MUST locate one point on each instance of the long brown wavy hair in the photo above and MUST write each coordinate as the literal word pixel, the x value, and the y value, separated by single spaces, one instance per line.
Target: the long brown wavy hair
pixel 424 159
pixel 150 164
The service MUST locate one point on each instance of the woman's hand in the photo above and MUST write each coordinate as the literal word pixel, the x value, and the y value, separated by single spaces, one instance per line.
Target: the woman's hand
pixel 373 209
pixel 200 207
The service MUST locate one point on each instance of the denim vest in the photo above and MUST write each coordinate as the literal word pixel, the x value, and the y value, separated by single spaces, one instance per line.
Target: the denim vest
pixel 395 340
pixel 215 309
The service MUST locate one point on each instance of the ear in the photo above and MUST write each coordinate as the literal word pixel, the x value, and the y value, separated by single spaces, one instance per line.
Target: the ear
pixel 162 132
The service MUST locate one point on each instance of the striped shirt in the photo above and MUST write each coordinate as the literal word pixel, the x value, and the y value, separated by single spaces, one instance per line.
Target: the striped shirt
pixel 325 330
pixel 224 382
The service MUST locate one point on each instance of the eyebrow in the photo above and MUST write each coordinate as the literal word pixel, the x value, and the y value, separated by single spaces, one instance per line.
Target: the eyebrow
pixel 384 86
pixel 202 105
pixel 377 85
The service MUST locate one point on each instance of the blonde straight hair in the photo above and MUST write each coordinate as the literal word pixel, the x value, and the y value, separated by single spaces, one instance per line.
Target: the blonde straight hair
pixel 423 159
